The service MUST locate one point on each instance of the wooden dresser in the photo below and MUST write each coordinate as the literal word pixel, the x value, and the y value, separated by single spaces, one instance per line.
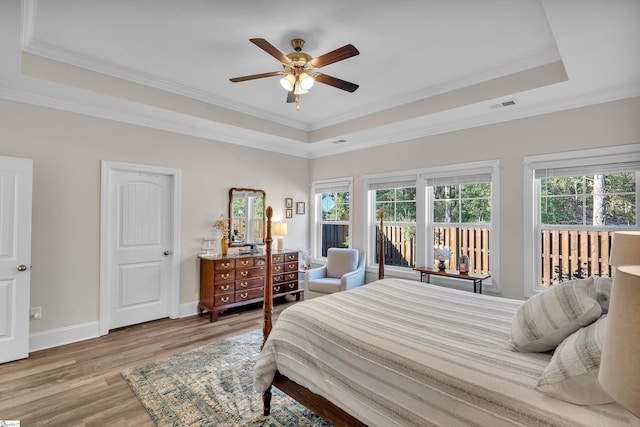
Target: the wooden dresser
pixel 233 281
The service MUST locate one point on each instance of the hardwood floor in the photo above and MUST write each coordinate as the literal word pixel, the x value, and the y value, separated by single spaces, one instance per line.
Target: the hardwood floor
pixel 80 384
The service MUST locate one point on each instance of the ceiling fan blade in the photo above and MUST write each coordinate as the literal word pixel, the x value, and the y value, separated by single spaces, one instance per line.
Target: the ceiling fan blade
pixel 271 50
pixel 339 54
pixel 291 97
pixel 256 76
pixel 335 82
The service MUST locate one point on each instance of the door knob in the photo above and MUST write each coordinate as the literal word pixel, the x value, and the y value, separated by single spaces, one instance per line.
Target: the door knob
pixel 166 253
pixel 22 267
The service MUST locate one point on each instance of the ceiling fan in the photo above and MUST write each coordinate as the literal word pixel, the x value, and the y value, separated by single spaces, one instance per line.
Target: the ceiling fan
pixel 299 73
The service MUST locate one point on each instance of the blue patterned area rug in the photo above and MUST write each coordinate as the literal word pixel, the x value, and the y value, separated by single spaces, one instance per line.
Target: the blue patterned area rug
pixel 213 386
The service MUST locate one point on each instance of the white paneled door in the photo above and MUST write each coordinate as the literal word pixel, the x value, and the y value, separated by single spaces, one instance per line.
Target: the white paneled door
pixel 140 254
pixel 16 179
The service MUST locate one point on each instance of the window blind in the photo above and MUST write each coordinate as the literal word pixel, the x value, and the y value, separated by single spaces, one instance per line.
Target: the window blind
pixel 599 169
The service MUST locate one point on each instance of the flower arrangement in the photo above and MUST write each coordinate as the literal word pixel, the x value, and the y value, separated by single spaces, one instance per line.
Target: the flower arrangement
pixel 222 225
pixel 442 253
pixel 305 254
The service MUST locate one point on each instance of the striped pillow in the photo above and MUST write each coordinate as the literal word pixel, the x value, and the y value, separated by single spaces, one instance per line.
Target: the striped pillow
pixel 546 319
pixel 572 373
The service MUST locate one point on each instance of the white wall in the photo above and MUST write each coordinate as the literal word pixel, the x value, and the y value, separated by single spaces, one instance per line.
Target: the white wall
pixel 615 123
pixel 67 149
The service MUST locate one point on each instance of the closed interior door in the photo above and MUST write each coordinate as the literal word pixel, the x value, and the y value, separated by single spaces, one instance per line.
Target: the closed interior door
pixel 16 178
pixel 140 247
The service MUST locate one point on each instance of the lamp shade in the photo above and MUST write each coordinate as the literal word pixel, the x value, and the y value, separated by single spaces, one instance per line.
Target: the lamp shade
pixel 288 82
pixel 280 228
pixel 625 248
pixel 619 373
pixel 306 81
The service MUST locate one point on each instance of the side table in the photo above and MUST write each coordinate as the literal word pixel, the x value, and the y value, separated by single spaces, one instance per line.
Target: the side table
pixel 426 272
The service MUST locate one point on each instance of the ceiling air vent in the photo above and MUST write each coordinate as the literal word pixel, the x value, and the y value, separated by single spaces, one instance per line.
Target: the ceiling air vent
pixel 502 104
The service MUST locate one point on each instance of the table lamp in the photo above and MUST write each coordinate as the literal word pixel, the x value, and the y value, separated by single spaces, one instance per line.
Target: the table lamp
pixel 280 229
pixel 619 373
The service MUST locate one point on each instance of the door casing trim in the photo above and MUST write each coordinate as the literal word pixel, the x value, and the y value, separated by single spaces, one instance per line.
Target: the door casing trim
pixel 107 168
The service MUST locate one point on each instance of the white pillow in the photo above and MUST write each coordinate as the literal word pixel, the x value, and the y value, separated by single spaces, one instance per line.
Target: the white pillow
pixel 603 291
pixel 546 319
pixel 572 373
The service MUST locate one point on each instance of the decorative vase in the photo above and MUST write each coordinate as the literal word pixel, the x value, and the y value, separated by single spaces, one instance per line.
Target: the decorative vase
pixel 441 265
pixel 224 245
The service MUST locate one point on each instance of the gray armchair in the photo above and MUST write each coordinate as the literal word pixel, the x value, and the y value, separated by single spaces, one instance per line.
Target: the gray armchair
pixel 344 270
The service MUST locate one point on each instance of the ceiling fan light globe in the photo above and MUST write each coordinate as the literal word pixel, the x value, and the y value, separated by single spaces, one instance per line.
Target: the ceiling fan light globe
pixel 306 81
pixel 288 82
pixel 299 91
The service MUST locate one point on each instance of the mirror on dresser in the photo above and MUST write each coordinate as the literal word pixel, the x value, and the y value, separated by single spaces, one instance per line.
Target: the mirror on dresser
pixel 246 216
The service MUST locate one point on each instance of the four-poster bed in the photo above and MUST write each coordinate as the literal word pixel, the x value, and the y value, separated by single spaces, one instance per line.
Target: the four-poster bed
pixel 399 352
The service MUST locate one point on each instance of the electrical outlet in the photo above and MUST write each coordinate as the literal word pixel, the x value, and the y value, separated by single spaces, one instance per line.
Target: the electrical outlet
pixel 36 313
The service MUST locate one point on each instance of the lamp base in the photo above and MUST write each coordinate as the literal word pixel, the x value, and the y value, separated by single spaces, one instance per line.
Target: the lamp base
pixel 280 247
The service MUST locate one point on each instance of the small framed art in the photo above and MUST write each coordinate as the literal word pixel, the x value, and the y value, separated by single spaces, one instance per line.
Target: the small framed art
pixel 300 208
pixel 288 203
pixel 288 213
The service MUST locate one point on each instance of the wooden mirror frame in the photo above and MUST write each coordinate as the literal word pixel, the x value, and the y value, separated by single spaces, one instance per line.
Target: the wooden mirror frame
pixel 232 191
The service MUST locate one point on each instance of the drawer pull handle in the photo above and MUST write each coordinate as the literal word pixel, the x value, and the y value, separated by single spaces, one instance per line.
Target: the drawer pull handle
pixel 224 299
pixel 292 286
pixel 244 295
pixel 225 287
pixel 244 262
pixel 276 288
pixel 292 257
pixel 260 262
pixel 225 265
pixel 225 276
pixel 243 284
pixel 244 273
pixel 276 268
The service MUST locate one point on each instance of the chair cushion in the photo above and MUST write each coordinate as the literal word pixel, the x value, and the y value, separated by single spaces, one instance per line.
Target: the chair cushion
pixel 326 285
pixel 572 373
pixel 546 319
pixel 341 261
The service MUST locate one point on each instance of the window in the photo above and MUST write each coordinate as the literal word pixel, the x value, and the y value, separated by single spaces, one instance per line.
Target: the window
pixel 460 205
pixel 331 207
pixel 454 206
pixel 576 202
pixel 396 198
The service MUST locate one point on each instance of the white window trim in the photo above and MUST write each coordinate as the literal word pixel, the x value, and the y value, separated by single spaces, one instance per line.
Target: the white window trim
pixel 316 212
pixel 424 217
pixel 623 153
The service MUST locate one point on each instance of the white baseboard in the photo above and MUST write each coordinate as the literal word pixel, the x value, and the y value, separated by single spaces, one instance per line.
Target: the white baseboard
pixel 70 334
pixel 188 309
pixel 61 336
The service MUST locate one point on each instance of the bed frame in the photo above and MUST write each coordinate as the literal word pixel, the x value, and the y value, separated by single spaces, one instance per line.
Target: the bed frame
pixel 316 403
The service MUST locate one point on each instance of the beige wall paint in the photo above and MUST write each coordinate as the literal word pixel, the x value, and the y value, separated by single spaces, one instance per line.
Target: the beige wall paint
pixel 67 149
pixel 615 123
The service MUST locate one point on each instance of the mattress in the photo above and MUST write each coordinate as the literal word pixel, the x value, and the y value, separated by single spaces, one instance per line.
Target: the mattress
pixel 403 353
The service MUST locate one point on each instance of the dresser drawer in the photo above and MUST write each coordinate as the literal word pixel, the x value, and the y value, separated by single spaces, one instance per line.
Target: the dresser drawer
pixel 284 287
pixel 277 268
pixel 277 258
pixel 224 264
pixel 291 257
pixel 244 262
pixel 223 299
pixel 291 266
pixel 278 278
pixel 254 282
pixel 291 276
pixel 223 288
pixel 247 273
pixel 224 276
pixel 249 294
pixel 291 286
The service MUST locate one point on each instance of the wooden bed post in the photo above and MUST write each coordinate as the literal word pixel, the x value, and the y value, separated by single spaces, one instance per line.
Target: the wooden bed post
pixel 381 248
pixel 268 303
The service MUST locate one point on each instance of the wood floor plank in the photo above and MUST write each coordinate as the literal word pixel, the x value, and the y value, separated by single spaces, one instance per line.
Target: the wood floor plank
pixel 81 384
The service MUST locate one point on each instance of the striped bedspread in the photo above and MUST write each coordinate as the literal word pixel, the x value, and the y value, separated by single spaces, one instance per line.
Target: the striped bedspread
pixel 402 353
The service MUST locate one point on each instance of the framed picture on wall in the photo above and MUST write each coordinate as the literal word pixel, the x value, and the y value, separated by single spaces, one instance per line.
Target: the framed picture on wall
pixel 288 213
pixel 288 203
pixel 300 208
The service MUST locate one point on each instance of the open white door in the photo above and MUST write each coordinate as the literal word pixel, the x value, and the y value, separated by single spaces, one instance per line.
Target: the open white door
pixel 16 180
